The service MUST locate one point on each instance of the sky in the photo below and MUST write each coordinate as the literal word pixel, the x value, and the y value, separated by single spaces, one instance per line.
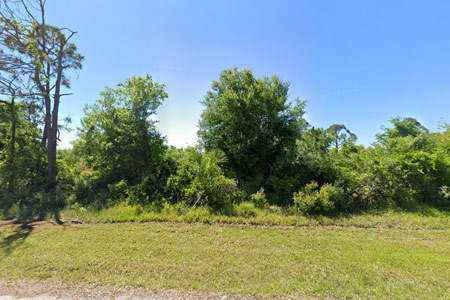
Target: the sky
pixel 358 63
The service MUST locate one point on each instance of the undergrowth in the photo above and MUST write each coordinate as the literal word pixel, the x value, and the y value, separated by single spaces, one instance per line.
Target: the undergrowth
pixel 248 213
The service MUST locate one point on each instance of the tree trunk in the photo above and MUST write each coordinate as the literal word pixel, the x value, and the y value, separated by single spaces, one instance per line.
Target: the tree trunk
pixel 53 128
pixel 51 156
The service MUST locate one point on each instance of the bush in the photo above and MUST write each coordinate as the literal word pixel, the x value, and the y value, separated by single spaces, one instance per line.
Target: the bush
pixel 404 172
pixel 259 199
pixel 86 186
pixel 245 209
pixel 445 193
pixel 118 191
pixel 312 199
pixel 219 192
pixel 198 179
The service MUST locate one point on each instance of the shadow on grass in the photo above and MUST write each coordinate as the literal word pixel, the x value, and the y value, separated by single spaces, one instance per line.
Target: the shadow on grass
pixel 11 242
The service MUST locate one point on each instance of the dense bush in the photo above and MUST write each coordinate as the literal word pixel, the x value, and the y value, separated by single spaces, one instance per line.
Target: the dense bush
pixel 245 209
pixel 315 199
pixel 22 162
pixel 199 179
pixel 259 199
pixel 399 171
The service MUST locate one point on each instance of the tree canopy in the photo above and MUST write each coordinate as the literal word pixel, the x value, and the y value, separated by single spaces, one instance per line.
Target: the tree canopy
pixel 252 121
pixel 117 136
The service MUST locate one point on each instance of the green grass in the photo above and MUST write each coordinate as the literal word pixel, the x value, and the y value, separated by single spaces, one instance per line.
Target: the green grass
pixel 245 213
pixel 385 262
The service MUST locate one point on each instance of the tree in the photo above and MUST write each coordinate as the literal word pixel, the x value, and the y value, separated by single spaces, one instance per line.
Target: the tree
pixel 43 54
pixel 22 167
pixel 9 89
pixel 18 115
pixel 340 135
pixel 117 137
pixel 402 128
pixel 307 160
pixel 252 122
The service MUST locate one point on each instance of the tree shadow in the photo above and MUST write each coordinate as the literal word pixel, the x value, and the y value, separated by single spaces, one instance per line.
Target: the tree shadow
pixel 17 238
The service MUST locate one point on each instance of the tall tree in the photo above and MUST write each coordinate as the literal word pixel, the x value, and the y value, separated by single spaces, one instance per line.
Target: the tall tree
pixel 402 128
pixel 251 120
pixel 339 135
pixel 13 89
pixel 44 54
pixel 117 136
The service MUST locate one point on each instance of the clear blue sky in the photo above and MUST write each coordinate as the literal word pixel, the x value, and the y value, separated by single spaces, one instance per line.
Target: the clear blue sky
pixel 359 63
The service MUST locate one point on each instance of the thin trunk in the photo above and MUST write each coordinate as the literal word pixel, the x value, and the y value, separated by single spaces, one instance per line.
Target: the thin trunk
pixel 44 135
pixel 53 128
pixel 47 130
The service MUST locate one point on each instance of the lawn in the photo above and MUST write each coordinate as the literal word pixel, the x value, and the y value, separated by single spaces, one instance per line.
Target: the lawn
pixel 381 262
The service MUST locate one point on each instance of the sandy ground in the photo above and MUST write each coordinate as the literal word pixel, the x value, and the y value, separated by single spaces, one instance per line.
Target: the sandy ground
pixel 30 290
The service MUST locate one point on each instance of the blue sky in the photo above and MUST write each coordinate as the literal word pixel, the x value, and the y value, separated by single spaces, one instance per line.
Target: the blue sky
pixel 358 63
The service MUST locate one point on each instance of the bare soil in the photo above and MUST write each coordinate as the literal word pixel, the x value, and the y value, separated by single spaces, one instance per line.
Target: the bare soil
pixel 32 290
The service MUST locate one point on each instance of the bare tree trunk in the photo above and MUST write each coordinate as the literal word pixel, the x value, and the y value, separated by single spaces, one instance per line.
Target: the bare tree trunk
pixel 53 128
pixel 51 156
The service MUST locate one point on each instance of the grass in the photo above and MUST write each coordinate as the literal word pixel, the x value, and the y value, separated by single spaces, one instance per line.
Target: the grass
pixel 384 262
pixel 246 213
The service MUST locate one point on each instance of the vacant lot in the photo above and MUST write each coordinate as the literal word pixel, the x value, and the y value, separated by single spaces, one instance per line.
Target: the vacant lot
pixel 320 261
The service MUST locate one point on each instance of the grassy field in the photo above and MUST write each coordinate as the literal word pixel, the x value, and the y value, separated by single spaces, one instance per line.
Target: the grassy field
pixel 381 262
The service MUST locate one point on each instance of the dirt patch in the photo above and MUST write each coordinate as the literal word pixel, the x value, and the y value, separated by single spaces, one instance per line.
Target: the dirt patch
pixel 32 290
pixel 29 223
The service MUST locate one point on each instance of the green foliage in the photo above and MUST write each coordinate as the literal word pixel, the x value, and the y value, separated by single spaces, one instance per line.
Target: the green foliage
pixel 22 168
pixel 256 149
pixel 119 190
pixel 309 159
pixel 402 128
pixel 118 139
pixel 259 199
pixel 312 199
pixel 246 209
pixel 339 136
pixel 34 60
pixel 445 192
pixel 252 122
pixel 399 171
pixel 198 179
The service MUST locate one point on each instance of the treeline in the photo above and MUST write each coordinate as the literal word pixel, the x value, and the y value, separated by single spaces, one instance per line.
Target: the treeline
pixel 254 145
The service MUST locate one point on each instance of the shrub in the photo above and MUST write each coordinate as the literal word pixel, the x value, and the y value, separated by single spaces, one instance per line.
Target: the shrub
pixel 219 192
pixel 259 199
pixel 445 193
pixel 245 209
pixel 118 191
pixel 86 186
pixel 199 179
pixel 312 199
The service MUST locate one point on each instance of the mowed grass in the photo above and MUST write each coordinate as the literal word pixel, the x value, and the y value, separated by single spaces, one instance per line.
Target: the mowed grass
pixel 320 261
